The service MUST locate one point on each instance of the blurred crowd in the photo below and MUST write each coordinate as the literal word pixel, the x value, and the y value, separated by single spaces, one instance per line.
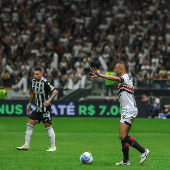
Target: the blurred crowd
pixel 157 107
pixel 67 37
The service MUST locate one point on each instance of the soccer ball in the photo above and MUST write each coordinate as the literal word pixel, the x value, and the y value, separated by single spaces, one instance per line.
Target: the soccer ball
pixel 86 158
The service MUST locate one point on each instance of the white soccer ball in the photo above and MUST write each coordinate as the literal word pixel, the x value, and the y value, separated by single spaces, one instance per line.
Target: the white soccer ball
pixel 86 158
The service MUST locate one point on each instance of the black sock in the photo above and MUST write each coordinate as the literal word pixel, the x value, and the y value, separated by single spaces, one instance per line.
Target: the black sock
pixel 132 142
pixel 125 150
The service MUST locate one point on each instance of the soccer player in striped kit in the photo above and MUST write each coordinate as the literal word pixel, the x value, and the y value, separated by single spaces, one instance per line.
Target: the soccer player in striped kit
pixel 129 110
pixel 43 93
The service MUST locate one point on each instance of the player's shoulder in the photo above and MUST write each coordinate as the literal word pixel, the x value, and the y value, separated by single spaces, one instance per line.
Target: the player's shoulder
pixel 44 79
pixel 125 75
pixel 125 79
pixel 46 82
pixel 33 80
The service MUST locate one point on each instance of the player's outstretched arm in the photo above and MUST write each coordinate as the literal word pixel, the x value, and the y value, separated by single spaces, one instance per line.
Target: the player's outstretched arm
pixel 95 74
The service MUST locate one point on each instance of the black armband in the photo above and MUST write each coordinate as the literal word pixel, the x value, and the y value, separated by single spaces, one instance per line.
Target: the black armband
pixel 122 79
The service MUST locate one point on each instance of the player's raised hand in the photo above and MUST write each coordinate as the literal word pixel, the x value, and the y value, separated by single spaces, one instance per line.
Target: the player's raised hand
pixel 94 72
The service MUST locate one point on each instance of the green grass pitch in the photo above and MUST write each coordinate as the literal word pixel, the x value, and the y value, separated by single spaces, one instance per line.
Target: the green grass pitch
pixel 77 135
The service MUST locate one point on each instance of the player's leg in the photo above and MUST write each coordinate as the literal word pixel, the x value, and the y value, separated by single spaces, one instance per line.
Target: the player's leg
pixel 125 127
pixel 31 123
pixel 129 139
pixel 125 150
pixel 123 131
pixel 51 133
pixel 47 120
pixel 33 119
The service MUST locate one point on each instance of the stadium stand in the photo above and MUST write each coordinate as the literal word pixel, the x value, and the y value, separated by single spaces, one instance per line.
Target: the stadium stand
pixel 72 36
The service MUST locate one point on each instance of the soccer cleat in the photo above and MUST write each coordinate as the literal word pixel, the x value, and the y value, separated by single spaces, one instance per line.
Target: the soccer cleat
pixel 52 149
pixel 123 163
pixel 23 147
pixel 144 156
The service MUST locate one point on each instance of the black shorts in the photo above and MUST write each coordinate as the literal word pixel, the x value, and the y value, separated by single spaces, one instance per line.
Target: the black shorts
pixel 45 117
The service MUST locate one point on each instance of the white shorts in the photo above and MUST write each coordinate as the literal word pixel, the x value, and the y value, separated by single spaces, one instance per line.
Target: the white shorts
pixel 127 117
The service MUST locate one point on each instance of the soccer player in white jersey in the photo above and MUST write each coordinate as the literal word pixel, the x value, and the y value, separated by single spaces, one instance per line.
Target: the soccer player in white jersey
pixel 43 93
pixel 129 110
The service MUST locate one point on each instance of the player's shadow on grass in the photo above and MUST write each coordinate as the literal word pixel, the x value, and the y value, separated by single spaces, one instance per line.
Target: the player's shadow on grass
pixel 100 164
pixel 106 163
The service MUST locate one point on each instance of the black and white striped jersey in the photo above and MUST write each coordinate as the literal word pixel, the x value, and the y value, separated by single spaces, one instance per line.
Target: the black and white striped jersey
pixel 42 91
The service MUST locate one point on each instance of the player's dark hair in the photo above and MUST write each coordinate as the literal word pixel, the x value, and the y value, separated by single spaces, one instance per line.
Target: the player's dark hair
pixel 38 69
pixel 124 64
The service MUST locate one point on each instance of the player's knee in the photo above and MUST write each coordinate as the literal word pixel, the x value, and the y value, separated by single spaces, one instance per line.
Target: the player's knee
pixel 121 137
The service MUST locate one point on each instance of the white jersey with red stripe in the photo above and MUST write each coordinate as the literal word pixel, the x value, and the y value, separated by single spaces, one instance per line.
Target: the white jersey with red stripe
pixel 126 94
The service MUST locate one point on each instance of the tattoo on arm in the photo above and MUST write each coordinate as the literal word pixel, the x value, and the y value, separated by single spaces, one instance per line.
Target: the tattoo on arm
pixel 54 93
pixel 109 77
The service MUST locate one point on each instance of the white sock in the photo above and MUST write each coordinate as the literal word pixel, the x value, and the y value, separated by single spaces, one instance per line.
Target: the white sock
pixel 28 134
pixel 51 136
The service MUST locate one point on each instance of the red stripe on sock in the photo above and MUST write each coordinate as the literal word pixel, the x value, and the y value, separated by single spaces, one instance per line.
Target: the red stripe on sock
pixel 132 139
pixel 126 145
